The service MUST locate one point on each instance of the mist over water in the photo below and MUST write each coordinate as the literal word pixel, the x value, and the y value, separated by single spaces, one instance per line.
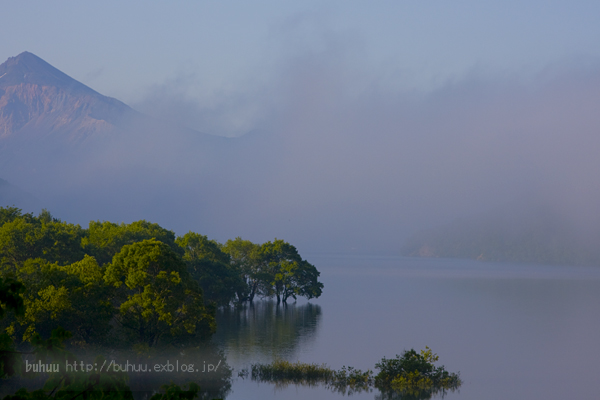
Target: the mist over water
pixel 337 161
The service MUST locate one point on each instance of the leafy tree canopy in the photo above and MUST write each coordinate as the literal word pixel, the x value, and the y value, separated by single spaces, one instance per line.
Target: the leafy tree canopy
pixel 105 239
pixel 414 375
pixel 158 298
pixel 8 214
pixel 73 296
pixel 246 259
pixel 24 237
pixel 286 274
pixel 211 268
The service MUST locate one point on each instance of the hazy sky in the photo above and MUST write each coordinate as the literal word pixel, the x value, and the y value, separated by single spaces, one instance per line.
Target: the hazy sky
pixel 378 118
pixel 218 55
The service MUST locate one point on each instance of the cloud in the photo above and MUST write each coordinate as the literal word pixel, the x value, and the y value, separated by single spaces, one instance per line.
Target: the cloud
pixel 366 167
pixel 222 111
pixel 338 161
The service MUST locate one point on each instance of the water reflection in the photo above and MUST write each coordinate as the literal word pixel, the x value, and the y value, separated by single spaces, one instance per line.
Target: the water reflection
pixel 415 394
pixel 204 365
pixel 265 330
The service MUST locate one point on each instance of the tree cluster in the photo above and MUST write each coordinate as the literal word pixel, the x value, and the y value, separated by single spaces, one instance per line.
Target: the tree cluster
pixel 135 283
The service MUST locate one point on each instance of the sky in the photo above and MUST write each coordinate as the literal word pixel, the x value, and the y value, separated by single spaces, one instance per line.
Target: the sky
pixel 216 56
pixel 381 118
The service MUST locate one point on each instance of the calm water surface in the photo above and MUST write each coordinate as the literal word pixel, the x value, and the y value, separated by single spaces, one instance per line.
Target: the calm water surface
pixel 513 331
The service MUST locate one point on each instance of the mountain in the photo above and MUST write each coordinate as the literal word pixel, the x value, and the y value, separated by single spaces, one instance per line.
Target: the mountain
pixel 37 102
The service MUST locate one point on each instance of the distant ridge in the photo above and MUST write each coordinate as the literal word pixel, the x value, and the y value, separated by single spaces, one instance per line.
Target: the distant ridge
pixel 527 235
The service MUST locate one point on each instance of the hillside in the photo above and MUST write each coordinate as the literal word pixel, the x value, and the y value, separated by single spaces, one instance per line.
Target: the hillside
pixel 526 236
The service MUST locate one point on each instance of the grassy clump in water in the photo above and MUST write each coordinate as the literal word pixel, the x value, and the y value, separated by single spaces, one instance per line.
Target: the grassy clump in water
pixel 410 376
pixel 350 380
pixel 347 379
pixel 281 371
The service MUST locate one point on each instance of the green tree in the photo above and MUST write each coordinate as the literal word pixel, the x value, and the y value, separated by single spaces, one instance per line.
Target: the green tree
pixel 246 259
pixel 105 239
pixel 286 274
pixel 305 281
pixel 25 237
pixel 73 296
pixel 211 268
pixel 8 214
pixel 414 375
pixel 156 297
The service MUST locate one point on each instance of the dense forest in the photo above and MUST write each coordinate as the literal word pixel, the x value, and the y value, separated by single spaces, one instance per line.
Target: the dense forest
pixel 137 282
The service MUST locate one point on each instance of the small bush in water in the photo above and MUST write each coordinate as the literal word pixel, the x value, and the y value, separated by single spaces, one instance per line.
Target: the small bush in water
pixel 414 374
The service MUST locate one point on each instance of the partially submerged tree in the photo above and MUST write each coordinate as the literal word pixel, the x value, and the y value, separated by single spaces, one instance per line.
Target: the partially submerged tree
pixel 273 269
pixel 245 258
pixel 220 279
pixel 414 375
pixel 286 274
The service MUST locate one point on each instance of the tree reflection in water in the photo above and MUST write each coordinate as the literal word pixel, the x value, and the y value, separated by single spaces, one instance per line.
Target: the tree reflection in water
pixel 147 371
pixel 265 330
pixel 206 366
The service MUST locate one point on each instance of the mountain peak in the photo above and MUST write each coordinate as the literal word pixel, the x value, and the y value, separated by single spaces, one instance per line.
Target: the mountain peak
pixel 37 101
pixel 27 68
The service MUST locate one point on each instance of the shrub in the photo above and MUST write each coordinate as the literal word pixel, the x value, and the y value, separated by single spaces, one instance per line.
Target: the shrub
pixel 414 374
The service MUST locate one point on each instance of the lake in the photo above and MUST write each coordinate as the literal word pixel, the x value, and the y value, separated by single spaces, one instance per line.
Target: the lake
pixel 513 331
